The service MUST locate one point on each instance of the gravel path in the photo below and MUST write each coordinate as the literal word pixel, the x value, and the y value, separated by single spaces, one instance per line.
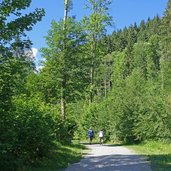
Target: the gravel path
pixel 110 158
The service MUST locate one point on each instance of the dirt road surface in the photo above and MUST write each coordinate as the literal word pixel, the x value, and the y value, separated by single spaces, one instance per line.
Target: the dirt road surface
pixel 110 158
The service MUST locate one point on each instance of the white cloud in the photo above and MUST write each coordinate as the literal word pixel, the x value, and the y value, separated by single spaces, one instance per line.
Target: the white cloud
pixel 34 51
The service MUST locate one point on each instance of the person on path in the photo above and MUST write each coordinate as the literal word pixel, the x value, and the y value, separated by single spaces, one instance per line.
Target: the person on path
pixel 90 135
pixel 101 136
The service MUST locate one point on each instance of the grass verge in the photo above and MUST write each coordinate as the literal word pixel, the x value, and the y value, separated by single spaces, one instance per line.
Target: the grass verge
pixel 60 158
pixel 159 153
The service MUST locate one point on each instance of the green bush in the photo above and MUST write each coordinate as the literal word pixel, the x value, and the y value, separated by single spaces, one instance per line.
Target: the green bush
pixel 31 137
pixel 31 131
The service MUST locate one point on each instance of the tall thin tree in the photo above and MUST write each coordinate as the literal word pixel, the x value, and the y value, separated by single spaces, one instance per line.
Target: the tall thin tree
pixel 95 26
pixel 67 7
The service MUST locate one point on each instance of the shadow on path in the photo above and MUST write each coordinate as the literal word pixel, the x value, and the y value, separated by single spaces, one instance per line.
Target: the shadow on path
pixel 111 162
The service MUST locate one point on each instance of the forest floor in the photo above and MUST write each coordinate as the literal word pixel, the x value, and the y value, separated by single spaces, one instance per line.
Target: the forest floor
pixel 110 158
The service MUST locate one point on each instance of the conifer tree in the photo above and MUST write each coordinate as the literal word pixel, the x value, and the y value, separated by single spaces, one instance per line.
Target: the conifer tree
pixel 165 59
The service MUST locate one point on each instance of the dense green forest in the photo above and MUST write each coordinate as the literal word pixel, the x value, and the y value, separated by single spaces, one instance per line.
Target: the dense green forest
pixel 118 82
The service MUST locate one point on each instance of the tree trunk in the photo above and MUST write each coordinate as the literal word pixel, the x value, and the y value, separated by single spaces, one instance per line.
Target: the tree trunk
pixel 93 56
pixel 63 101
pixel 63 85
pixel 105 86
pixel 65 12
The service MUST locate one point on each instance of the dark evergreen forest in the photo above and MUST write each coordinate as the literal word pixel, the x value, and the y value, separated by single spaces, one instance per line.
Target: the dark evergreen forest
pixel 120 83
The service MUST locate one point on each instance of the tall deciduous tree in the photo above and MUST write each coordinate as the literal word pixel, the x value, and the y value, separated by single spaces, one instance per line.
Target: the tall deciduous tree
pixel 13 58
pixel 64 65
pixel 15 65
pixel 67 7
pixel 95 27
pixel 10 45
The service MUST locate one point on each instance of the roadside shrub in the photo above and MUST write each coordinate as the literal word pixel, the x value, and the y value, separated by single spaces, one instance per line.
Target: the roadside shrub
pixel 31 133
pixel 31 136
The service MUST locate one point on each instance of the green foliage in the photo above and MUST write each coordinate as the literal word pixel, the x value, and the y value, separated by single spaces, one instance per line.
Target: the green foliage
pixel 31 132
pixel 125 76
pixel 95 28
pixel 15 66
pixel 34 135
pixel 137 104
pixel 165 49
pixel 64 64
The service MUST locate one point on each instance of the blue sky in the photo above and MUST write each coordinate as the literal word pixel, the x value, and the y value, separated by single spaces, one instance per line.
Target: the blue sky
pixel 124 12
